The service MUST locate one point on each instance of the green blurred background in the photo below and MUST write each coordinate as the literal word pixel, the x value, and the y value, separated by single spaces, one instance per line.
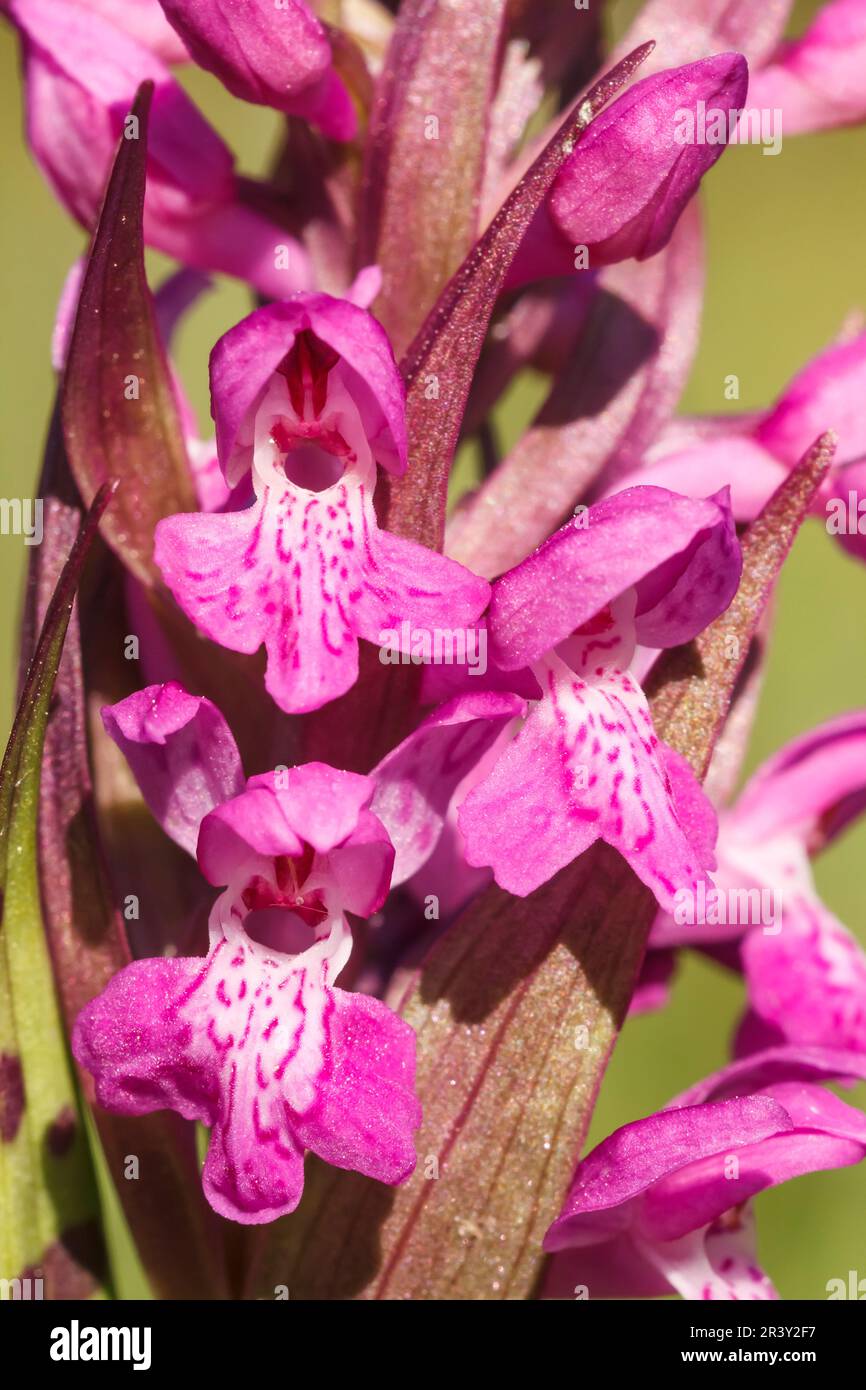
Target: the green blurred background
pixel 786 240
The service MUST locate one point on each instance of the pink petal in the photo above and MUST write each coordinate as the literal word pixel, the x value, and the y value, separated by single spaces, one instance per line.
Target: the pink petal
pixel 365 1111
pixel 272 55
pixel 826 394
pixel 82 74
pixel 90 61
pixel 808 982
pixel 328 104
pixel 694 809
pixel 812 787
pixel 623 189
pixel 181 752
pixel 281 812
pixel 637 1159
pixel 681 555
pixel 415 782
pixel 775 1064
pixel 706 1188
pixel 231 238
pixel 735 461
pixel 817 81
pixel 67 308
pixel 139 1045
pixel 145 22
pixel 408 583
pixel 586 765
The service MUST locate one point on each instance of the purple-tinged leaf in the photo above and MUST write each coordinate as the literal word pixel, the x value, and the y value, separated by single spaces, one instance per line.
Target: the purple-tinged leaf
pixel 171 1225
pixel 729 753
pixel 426 151
pixel 441 362
pixel 120 417
pixel 49 1209
pixel 605 408
pixel 516 1010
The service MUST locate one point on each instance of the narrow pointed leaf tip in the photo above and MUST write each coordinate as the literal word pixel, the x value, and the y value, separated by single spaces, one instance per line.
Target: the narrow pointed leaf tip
pixel 447 348
pixel 120 417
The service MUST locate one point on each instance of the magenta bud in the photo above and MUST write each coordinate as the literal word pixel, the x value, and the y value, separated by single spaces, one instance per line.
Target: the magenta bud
pixel 622 191
pixel 270 52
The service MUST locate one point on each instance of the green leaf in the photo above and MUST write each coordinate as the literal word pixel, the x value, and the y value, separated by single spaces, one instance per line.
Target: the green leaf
pixel 49 1214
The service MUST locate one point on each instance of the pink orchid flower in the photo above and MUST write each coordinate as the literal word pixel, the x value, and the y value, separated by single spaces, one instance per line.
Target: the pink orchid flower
pixel 649 567
pixel 664 1205
pixel 81 77
pixel 307 400
pixel 804 971
pixel 754 457
pixel 273 55
pixel 256 1041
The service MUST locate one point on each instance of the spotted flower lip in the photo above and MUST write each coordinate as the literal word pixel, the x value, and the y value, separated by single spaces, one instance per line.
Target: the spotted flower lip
pixel 621 192
pixel 646 566
pixel 664 1204
pixel 272 55
pixel 81 76
pixel 307 397
pixel 262 1048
